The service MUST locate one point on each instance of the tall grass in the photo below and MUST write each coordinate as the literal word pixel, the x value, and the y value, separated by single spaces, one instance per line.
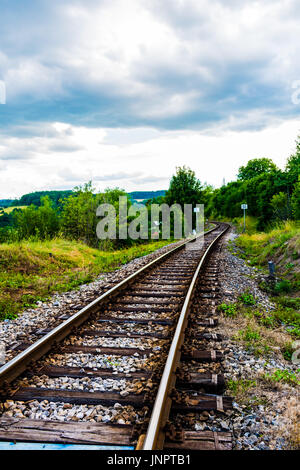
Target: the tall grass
pixel 250 222
pixel 32 270
pixel 281 244
pixel 283 239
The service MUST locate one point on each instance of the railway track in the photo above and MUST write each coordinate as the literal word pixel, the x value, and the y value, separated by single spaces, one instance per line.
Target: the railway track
pixel 123 372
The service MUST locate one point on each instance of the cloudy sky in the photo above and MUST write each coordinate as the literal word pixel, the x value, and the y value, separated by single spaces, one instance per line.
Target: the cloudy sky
pixel 123 91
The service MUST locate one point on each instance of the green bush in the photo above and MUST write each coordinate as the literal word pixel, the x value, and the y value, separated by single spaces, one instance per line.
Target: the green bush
pixel 287 351
pixel 283 286
pixel 240 386
pixel 285 376
pixel 247 298
pixel 288 302
pixel 229 310
pixel 249 334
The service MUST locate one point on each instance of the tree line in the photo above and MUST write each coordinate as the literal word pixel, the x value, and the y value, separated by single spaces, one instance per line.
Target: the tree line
pixel 72 217
pixel 271 194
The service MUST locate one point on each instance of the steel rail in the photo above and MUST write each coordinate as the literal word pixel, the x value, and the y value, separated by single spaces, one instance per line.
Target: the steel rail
pixel 154 438
pixel 19 363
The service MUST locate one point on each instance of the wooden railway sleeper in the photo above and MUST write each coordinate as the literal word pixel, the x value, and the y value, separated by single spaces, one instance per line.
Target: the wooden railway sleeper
pixel 173 433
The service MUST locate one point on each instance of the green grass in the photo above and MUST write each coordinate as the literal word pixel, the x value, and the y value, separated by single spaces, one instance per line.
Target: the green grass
pixel 243 391
pixel 283 286
pixel 250 334
pixel 259 322
pixel 260 326
pixel 247 298
pixel 31 271
pixel 282 243
pixel 8 210
pixel 229 310
pixel 284 376
pixel 251 224
pixel 254 341
pixel 238 387
pixel 286 314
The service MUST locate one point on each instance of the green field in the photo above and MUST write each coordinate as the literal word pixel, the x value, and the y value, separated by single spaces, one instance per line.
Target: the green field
pixel 8 210
pixel 31 271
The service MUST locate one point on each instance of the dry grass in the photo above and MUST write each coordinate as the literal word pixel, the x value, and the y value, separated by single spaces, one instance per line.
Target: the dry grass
pixel 274 338
pixel 8 210
pixel 289 428
pixel 279 398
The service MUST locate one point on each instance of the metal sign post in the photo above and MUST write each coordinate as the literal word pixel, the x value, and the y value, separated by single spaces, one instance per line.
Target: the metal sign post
pixel 244 207
pixel 196 210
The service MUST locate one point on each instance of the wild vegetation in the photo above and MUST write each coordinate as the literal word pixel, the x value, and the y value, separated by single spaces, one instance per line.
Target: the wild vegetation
pixel 32 270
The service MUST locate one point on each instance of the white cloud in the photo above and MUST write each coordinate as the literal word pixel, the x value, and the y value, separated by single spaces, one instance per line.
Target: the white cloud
pixel 155 54
pixel 136 163
pixel 206 83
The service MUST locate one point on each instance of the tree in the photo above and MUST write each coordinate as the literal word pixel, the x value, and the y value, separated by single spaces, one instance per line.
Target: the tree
pixel 5 219
pixel 42 222
pixel 184 188
pixel 292 168
pixel 255 167
pixel 281 206
pixel 295 201
pixel 78 217
pixel 36 197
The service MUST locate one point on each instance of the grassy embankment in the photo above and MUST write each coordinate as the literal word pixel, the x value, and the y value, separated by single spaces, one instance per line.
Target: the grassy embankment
pixel 282 246
pixel 259 330
pixel 32 271
pixel 265 333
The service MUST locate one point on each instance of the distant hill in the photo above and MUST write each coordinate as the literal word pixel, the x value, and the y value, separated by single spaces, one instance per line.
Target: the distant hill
pixel 55 196
pixel 35 197
pixel 5 202
pixel 142 195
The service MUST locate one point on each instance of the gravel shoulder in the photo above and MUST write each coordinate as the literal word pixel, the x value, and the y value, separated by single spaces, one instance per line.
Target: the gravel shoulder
pixel 266 413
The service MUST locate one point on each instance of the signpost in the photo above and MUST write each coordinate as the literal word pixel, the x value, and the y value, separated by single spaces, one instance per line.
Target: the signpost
pixel 244 207
pixel 155 228
pixel 196 210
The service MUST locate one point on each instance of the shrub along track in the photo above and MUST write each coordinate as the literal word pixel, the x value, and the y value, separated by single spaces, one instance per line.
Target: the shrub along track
pixel 94 379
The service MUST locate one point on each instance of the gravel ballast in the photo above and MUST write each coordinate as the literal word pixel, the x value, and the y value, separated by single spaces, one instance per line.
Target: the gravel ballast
pixel 271 423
